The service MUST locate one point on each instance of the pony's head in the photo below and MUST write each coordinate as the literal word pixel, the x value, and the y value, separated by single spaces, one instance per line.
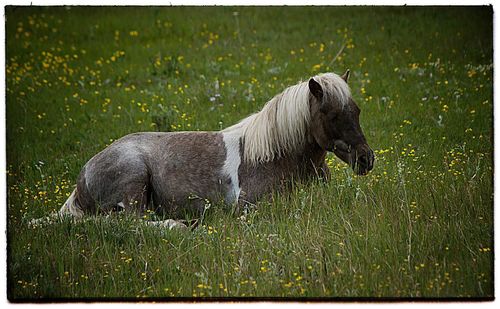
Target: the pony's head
pixel 335 121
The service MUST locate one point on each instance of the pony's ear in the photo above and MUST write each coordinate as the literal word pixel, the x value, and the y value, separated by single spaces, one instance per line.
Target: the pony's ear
pixel 345 76
pixel 316 89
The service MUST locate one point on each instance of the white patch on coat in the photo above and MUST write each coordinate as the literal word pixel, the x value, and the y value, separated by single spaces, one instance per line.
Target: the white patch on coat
pixel 232 163
pixel 121 205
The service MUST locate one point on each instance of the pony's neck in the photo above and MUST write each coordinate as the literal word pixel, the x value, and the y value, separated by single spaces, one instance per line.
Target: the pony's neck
pixel 312 153
pixel 259 179
pixel 308 158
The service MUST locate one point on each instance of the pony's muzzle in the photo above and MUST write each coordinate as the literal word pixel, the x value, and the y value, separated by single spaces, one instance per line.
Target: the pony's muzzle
pixel 364 159
pixel 361 158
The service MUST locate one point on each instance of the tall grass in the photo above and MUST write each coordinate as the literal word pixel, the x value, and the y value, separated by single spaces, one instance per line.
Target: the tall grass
pixel 420 225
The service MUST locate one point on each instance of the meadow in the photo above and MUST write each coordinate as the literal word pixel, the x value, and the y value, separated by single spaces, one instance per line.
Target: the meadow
pixel 419 226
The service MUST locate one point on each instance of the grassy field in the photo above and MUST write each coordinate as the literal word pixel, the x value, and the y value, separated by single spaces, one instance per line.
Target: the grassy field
pixel 420 225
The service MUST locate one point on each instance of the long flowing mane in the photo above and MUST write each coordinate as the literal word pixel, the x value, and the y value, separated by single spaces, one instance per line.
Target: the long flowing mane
pixel 282 124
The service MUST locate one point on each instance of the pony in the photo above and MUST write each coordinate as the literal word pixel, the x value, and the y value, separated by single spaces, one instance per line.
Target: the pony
pixel 176 173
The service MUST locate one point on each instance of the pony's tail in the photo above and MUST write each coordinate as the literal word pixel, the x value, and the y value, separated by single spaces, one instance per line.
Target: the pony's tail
pixel 69 209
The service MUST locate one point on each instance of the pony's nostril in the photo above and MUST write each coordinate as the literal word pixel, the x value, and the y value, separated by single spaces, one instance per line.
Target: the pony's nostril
pixel 363 160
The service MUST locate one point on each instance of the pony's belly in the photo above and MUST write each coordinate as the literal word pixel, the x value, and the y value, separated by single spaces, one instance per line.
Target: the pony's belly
pixel 179 190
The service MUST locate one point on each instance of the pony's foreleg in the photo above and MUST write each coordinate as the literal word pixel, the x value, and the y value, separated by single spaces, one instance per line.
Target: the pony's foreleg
pixel 168 224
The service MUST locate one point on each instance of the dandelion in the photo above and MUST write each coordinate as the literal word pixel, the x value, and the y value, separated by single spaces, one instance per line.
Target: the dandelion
pixel 316 67
pixel 471 73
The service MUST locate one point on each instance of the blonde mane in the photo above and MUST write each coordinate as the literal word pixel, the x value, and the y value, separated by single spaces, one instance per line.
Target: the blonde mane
pixel 282 124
